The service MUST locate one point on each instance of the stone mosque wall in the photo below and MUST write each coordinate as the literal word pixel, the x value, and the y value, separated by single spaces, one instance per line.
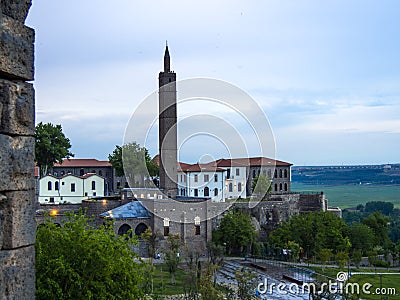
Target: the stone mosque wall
pixel 17 113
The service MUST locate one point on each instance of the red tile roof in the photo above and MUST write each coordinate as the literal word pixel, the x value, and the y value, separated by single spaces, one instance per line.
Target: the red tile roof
pixel 83 162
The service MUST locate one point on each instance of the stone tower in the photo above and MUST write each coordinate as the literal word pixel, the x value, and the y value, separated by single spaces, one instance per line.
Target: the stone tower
pixel 17 145
pixel 167 134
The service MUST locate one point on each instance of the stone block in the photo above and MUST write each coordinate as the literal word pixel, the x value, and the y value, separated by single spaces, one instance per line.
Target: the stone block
pixel 17 273
pixel 17 111
pixel 17 163
pixel 16 9
pixel 19 219
pixel 16 49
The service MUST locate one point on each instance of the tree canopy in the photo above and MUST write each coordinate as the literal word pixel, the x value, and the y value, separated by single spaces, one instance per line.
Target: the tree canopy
pixel 77 261
pixel 261 185
pixel 236 232
pixel 134 162
pixel 51 146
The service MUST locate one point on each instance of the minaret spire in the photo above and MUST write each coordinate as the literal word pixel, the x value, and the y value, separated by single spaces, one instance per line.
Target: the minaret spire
pixel 167 67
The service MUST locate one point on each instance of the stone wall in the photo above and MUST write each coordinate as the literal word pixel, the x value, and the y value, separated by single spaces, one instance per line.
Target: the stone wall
pixel 17 194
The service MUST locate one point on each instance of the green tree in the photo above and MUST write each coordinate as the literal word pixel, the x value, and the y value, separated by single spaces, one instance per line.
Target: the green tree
pixel 134 162
pixel 325 255
pixel 246 281
pixel 385 207
pixel 172 255
pixel 361 238
pixel 78 261
pixel 236 232
pixel 379 225
pixel 51 146
pixel 261 186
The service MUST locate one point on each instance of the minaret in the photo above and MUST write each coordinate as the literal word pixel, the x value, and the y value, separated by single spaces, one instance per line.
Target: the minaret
pixel 167 134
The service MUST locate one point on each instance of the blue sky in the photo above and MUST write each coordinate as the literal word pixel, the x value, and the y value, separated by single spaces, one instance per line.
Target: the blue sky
pixel 326 73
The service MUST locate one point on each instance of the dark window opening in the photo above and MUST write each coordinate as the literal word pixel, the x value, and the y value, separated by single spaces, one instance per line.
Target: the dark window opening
pixel 166 230
pixel 215 177
pixel 72 187
pixel 51 199
pixel 49 186
pixel 230 187
pixel 206 192
pixel 93 185
pixel 196 192
pixel 196 229
pixel 56 186
pixel 215 192
pixel 239 187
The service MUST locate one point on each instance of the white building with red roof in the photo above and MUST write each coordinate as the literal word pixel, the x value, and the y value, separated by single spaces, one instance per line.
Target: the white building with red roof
pixel 70 188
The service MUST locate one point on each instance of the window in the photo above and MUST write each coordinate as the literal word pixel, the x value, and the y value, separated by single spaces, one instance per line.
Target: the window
pixel 51 199
pixel 276 187
pixel 254 173
pixel 239 187
pixel 94 193
pixel 206 177
pixel 215 177
pixel 237 172
pixel 215 192
pixel 286 187
pixel 181 178
pixel 81 172
pixel 196 178
pixel 101 173
pixel 49 186
pixel 197 226
pixel 228 173
pixel 85 194
pixel 230 187
pixel 62 183
pixel 196 192
pixel 206 192
pixel 285 173
pixel 276 173
pixel 280 173
pixel 72 187
pixel 280 186
pixel 166 227
pixel 93 185
pixel 56 186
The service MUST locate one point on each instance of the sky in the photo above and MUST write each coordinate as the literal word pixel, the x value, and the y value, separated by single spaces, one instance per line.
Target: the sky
pixel 326 74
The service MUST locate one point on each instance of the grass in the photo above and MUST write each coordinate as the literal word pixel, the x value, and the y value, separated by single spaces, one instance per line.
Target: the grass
pixel 162 281
pixel 388 283
pixel 346 196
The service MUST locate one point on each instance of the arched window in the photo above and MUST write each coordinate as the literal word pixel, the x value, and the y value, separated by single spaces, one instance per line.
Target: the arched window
pixel 166 226
pixel 285 173
pixel 206 192
pixel 280 173
pixel 286 187
pixel 280 186
pixel 215 192
pixel 276 173
pixel 239 187
pixel 49 186
pixel 56 186
pixel 140 229
pixel 93 185
pixel 124 229
pixel 276 187
pixel 230 187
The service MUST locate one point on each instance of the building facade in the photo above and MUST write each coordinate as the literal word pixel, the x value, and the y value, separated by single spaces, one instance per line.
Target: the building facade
pixel 70 188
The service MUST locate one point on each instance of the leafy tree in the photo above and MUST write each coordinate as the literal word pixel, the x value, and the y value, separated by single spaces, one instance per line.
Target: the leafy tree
pixel 134 162
pixel 235 232
pixel 385 207
pixel 172 255
pixel 51 146
pixel 361 237
pixel 206 287
pixel 379 225
pixel 246 281
pixel 325 255
pixel 78 261
pixel 294 249
pixel 341 257
pixel 261 185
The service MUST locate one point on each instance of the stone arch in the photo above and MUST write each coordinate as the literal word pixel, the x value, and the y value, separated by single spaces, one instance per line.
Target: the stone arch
pixel 124 229
pixel 141 228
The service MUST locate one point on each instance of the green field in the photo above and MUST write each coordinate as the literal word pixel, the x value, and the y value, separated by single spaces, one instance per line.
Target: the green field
pixel 350 195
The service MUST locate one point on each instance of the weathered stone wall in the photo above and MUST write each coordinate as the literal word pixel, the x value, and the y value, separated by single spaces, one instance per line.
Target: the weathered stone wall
pixel 17 194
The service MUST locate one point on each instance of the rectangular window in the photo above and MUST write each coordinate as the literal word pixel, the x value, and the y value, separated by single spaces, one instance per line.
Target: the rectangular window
pixel 215 177
pixel 237 172
pixel 196 178
pixel 166 230
pixel 196 229
pixel 72 187
pixel 196 192
pixel 206 177
pixel 51 199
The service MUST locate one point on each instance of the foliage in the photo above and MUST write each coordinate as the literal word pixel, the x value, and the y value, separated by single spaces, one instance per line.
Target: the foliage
pixel 261 185
pixel 51 146
pixel 172 255
pixel 150 238
pixel 206 286
pixel 246 281
pixel 138 164
pixel 362 237
pixel 385 207
pixel 235 231
pixel 77 261
pixel 325 255
pixel 379 225
pixel 313 232
pixel 294 249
